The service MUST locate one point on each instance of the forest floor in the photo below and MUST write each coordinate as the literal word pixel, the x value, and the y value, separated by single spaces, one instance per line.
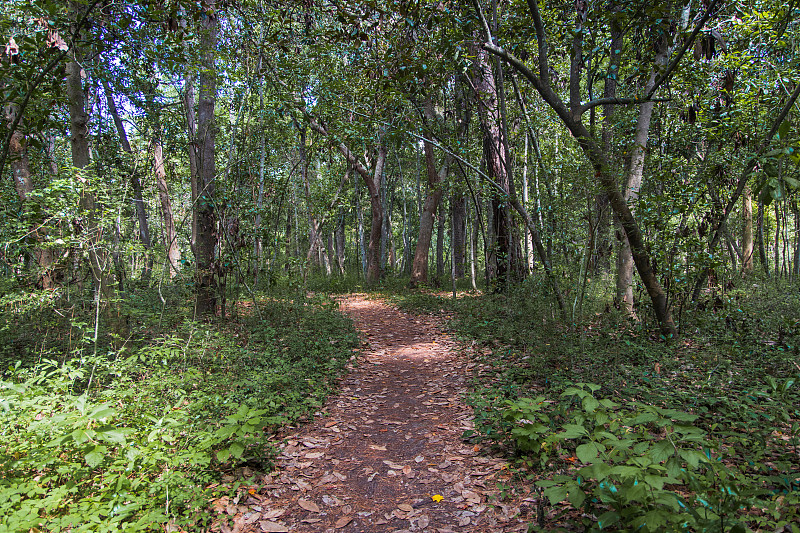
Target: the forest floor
pixel 386 454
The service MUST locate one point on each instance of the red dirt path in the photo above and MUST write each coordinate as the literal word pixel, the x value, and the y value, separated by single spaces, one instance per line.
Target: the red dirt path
pixel 389 446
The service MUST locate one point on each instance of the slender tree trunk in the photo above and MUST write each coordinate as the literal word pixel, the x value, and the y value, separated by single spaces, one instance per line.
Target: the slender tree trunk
pixel 376 231
pixel 762 253
pixel 339 241
pixel 170 234
pixel 193 150
pixel 440 244
pixel 362 251
pixel 459 206
pixel 747 235
pixel 206 238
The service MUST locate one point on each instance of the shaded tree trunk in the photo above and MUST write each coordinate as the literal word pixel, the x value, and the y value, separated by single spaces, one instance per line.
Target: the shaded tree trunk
pixel 459 206
pixel 206 237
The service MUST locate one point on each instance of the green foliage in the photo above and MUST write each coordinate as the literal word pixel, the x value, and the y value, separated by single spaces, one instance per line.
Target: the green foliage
pixel 699 434
pixel 133 439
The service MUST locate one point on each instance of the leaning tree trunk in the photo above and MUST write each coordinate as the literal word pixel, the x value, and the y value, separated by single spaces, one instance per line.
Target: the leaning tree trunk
pixel 633 182
pixel 206 238
pixel 138 200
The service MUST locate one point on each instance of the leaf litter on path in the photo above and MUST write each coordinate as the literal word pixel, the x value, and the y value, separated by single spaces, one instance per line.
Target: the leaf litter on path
pixel 388 454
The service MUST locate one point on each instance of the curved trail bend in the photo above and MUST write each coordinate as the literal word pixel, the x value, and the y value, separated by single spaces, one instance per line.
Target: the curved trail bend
pixel 388 448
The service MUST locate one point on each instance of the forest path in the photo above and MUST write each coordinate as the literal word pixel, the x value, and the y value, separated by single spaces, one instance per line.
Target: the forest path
pixel 389 446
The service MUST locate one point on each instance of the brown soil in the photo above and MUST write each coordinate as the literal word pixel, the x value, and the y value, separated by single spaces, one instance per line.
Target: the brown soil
pixel 388 456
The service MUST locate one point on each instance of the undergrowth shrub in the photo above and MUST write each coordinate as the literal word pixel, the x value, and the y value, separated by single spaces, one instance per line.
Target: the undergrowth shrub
pixel 136 439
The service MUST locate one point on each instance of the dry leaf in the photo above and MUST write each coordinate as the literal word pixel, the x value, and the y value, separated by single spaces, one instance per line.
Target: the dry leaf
pixel 423 521
pixel 308 505
pixel 464 521
pixel 377 448
pixel 405 507
pixel 272 527
pixel 314 455
pixel 343 521
pixel 273 513
pixel 407 470
pixel 311 520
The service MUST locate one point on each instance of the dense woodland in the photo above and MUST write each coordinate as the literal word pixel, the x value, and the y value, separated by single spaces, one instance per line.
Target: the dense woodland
pixel 184 183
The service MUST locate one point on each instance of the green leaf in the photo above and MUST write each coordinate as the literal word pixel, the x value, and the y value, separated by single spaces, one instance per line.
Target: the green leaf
pixel 587 453
pixel 783 130
pixel 556 494
pixel 608 519
pixel 102 411
pixel 236 449
pixel 573 431
pixel 95 456
pixel 590 404
pixel 576 497
pixel 223 455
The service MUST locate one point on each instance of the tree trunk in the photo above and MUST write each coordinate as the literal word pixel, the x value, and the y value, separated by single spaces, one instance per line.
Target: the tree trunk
pixel 440 244
pixel 459 206
pixel 193 153
pixel 762 253
pixel 747 235
pixel 633 182
pixel 493 150
pixel 339 241
pixel 23 184
pixel 79 140
pixel 375 233
pixel 170 235
pixel 206 238
pixel 138 199
pixel 419 267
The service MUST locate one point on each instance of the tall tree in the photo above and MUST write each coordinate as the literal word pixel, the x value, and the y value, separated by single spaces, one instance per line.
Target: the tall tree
pixel 206 239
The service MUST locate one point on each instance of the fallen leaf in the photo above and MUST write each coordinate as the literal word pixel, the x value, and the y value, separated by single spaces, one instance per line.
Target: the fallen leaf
pixel 308 505
pixel 314 455
pixel 274 513
pixel 405 507
pixel 377 448
pixel 437 498
pixel 272 527
pixel 343 521
pixel 423 521
pixel 311 520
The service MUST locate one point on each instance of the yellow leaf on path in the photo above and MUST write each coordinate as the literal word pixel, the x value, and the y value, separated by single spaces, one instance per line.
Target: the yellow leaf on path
pixel 308 505
pixel 437 498
pixel 343 521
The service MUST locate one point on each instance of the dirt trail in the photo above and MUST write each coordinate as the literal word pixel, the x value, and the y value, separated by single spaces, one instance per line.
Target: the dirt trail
pixel 389 455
